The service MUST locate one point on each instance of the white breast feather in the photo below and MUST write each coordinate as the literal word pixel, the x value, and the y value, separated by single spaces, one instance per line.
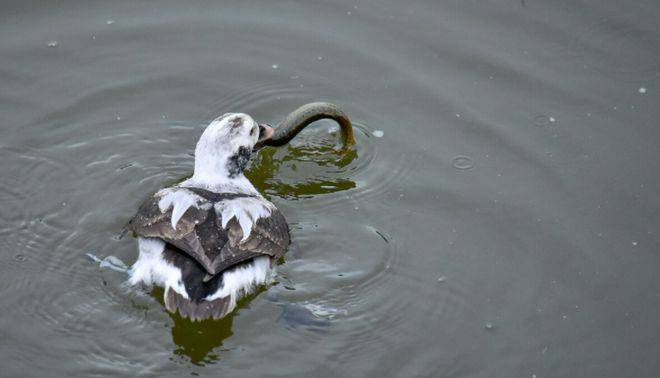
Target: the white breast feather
pixel 240 280
pixel 247 211
pixel 151 268
pixel 181 199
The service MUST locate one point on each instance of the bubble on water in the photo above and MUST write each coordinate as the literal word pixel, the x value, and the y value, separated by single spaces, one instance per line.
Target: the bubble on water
pixel 462 162
pixel 63 204
pixel 53 44
pixel 489 326
pixel 348 13
pixel 458 115
pixel 378 133
pixel 110 22
pixel 442 279
pixel 356 208
pixel 543 120
pixel 641 90
pixel 275 66
pixel 20 258
pixel 634 243
pixel 93 37
pixel 319 58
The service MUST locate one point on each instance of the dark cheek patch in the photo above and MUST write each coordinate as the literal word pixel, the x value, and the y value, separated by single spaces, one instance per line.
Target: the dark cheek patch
pixel 238 161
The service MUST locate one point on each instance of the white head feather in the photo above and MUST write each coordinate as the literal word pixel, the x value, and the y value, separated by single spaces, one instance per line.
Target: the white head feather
pixel 223 151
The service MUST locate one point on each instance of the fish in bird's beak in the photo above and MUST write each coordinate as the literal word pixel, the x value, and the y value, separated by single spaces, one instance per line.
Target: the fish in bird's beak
pixel 265 133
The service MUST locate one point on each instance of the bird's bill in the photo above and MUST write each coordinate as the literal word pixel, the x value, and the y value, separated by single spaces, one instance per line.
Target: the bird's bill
pixel 265 133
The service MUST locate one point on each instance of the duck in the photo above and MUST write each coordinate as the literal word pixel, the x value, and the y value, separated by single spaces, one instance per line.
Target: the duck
pixel 212 238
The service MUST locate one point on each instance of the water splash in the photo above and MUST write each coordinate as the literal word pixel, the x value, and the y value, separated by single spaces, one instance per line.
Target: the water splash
pixel 109 262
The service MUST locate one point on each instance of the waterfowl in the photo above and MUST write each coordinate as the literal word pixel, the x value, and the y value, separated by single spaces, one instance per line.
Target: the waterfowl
pixel 210 239
pixel 213 238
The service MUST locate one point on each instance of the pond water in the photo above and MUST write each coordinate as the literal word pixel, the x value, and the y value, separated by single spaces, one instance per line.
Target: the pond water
pixel 499 216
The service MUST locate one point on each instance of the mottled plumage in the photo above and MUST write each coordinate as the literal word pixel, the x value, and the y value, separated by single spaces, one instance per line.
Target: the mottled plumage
pixel 212 238
pixel 200 234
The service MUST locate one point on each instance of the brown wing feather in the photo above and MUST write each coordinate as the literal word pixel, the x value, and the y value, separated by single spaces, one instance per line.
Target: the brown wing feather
pixel 269 236
pixel 199 233
pixel 150 222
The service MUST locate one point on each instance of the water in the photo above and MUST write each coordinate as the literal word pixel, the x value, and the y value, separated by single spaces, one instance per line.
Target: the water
pixel 505 223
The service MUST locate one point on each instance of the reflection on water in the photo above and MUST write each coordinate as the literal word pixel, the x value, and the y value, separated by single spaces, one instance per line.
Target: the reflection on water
pixel 199 342
pixel 309 166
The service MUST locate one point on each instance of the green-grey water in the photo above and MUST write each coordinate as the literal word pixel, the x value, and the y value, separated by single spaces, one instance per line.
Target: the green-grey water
pixel 498 217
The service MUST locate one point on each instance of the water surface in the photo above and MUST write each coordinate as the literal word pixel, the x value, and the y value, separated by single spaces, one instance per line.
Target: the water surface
pixel 499 216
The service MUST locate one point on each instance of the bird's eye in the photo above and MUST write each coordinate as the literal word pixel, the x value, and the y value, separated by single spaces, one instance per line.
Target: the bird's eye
pixel 253 131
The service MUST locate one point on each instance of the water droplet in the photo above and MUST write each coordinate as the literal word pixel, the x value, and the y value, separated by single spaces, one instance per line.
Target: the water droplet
pixel 53 44
pixel 462 162
pixel 319 58
pixel 458 115
pixel 489 326
pixel 20 258
pixel 118 118
pixel 641 90
pixel 93 37
pixel 356 208
pixel 634 243
pixel 442 279
pixel 63 204
pixel 378 133
pixel 275 66
pixel 110 22
pixel 543 120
